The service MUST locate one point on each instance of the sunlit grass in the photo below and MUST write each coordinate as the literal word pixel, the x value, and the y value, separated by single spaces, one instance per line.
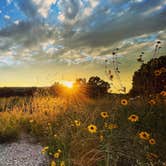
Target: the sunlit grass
pixel 75 130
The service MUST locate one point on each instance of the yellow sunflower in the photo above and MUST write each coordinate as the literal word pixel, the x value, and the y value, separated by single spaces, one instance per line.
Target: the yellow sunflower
pixel 133 118
pixel 56 155
pixel 92 128
pixel 104 115
pixel 53 163
pixel 112 126
pixel 77 123
pixel 151 156
pixel 31 121
pixel 44 150
pixel 62 163
pixel 157 73
pixel 144 135
pixel 163 93
pixel 59 151
pixel 124 102
pixel 101 137
pixel 152 141
pixel 152 102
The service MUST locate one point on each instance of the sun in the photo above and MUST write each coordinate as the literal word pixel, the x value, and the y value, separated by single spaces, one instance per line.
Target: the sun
pixel 68 84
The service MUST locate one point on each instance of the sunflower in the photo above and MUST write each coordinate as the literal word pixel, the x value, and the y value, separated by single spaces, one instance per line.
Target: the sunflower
pixel 151 156
pixel 56 155
pixel 112 126
pixel 152 102
pixel 62 163
pixel 104 115
pixel 157 73
pixel 144 135
pixel 152 141
pixel 101 137
pixel 163 93
pixel 133 118
pixel 53 163
pixel 44 150
pixel 92 128
pixel 124 102
pixel 77 123
pixel 59 151
pixel 105 125
pixel 31 121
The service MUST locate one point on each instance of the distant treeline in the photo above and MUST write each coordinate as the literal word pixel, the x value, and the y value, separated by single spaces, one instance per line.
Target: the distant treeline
pixel 17 91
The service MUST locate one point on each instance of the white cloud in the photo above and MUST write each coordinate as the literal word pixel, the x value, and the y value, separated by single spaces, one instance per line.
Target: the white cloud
pixel 76 11
pixel 6 17
pixel 9 2
pixel 0 11
pixel 152 10
pixel 16 22
pixel 44 6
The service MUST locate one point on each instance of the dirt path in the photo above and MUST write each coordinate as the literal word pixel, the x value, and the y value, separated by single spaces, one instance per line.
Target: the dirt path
pixel 22 153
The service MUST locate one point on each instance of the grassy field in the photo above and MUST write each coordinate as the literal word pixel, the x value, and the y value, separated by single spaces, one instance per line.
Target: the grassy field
pixel 78 131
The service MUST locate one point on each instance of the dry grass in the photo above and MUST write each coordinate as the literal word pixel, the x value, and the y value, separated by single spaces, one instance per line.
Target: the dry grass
pixel 52 122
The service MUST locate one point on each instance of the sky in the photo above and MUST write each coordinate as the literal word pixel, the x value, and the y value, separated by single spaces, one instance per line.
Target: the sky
pixel 44 41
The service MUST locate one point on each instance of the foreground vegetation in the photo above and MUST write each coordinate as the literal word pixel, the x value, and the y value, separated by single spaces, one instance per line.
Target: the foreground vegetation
pixel 78 131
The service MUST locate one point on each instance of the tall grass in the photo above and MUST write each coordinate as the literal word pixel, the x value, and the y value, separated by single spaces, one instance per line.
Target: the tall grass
pixel 61 125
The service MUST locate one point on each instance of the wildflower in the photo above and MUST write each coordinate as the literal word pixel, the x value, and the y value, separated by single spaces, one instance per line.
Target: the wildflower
pixel 77 123
pixel 163 93
pixel 152 141
pixel 163 69
pixel 31 121
pixel 92 128
pixel 152 102
pixel 53 163
pixel 157 73
pixel 56 155
pixel 104 115
pixel 144 135
pixel 44 150
pixel 55 135
pixel 124 102
pixel 59 151
pixel 105 125
pixel 151 156
pixel 112 126
pixel 101 137
pixel 133 118
pixel 62 163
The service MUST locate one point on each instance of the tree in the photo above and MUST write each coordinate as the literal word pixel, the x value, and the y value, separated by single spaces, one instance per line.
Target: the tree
pixel 150 78
pixel 97 87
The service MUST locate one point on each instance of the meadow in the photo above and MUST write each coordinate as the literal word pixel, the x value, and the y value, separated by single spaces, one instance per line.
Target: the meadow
pixel 78 131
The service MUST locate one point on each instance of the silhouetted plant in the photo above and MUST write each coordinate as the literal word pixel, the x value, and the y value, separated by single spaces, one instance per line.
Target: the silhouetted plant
pixel 97 87
pixel 150 78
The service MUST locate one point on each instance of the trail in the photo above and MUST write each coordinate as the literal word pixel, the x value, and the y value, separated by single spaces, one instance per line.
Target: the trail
pixel 24 152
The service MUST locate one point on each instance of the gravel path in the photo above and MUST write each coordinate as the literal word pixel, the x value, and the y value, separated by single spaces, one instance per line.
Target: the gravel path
pixel 22 153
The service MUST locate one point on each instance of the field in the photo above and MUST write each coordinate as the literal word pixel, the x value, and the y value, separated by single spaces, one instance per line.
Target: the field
pixel 79 131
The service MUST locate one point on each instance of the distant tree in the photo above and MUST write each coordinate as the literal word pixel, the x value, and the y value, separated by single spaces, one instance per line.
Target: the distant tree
pixel 56 89
pixel 150 78
pixel 97 87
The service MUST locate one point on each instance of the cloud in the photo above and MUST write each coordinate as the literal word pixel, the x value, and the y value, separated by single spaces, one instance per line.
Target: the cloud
pixel 43 6
pixel 87 33
pixel 16 22
pixel 36 8
pixel 9 2
pixel 6 17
